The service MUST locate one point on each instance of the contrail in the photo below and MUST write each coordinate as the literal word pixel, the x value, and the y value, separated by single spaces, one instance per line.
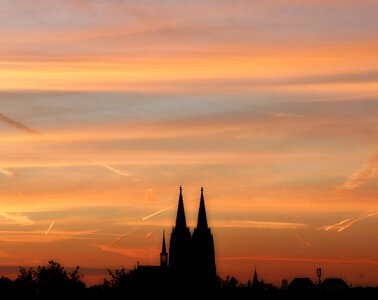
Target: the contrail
pixel 344 224
pixel 48 230
pixel 16 124
pixel 161 211
pixel 337 225
pixel 120 237
pixel 156 213
pixel 302 240
pixel 7 172
pixel 112 169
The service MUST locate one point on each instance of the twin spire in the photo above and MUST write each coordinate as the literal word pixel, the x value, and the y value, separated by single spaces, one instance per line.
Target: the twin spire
pixel 181 220
pixel 192 253
pixel 202 219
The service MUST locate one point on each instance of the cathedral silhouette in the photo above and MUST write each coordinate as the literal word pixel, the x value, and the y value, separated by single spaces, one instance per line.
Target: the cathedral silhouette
pixel 190 263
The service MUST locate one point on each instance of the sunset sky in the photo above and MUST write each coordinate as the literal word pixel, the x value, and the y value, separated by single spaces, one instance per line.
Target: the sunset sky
pixel 108 106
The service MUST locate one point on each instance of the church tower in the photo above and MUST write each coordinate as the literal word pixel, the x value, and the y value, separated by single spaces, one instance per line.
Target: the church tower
pixel 163 254
pixel 180 249
pixel 255 282
pixel 203 251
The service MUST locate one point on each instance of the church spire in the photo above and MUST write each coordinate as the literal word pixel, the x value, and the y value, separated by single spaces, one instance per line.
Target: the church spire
pixel 163 253
pixel 163 246
pixel 203 251
pixel 180 255
pixel 255 282
pixel 180 219
pixel 202 219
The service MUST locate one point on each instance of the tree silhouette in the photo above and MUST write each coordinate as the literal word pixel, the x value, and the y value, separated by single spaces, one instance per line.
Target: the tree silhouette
pixel 50 282
pixel 8 288
pixel 26 283
pixel 53 281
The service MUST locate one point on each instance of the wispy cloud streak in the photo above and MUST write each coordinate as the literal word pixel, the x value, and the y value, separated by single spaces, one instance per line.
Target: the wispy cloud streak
pixel 17 218
pixel 303 259
pixel 344 224
pixel 362 176
pixel 130 252
pixel 112 169
pixel 48 230
pixel 256 224
pixel 7 172
pixel 302 240
pixel 121 237
pixel 157 213
pixel 15 124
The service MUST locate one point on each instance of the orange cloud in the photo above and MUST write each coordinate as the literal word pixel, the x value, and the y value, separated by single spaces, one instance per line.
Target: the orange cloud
pixel 150 194
pixel 7 172
pixel 17 218
pixel 146 253
pixel 112 169
pixel 39 236
pixel 362 176
pixel 344 224
pixel 15 124
pixel 303 259
pixel 232 68
pixel 256 224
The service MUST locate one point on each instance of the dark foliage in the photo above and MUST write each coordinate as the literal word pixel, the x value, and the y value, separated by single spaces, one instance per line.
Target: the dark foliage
pixel 53 281
pixel 49 282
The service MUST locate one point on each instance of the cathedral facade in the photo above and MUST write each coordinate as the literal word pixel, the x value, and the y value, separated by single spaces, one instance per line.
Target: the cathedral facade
pixel 192 256
pixel 190 262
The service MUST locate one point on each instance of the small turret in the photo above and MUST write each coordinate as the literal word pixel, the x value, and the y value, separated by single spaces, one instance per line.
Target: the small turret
pixel 163 254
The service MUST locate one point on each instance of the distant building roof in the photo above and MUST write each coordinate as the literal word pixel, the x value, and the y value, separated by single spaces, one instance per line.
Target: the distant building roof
pixel 301 284
pixel 334 285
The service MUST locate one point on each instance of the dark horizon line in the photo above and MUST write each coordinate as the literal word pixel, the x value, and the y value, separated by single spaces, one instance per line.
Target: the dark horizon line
pixel 14 270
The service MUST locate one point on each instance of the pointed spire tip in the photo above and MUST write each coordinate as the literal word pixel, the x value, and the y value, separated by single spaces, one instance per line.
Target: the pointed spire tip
pixel 163 246
pixel 180 219
pixel 202 219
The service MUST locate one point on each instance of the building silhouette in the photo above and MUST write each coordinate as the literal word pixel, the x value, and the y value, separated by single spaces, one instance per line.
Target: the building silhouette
pixel 163 254
pixel 334 285
pixel 256 284
pixel 190 262
pixel 180 249
pixel 203 254
pixel 302 285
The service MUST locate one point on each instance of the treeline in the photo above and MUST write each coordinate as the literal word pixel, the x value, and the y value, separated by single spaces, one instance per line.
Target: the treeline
pixel 53 281
pixel 44 282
